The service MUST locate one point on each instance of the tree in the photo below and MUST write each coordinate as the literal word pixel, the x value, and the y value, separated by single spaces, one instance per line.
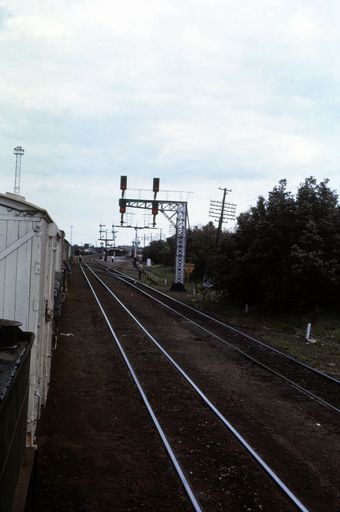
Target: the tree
pixel 285 252
pixel 161 251
pixel 200 247
pixel 316 251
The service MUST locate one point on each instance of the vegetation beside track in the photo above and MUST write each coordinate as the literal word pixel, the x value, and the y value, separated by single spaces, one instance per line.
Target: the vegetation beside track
pixel 288 332
pixel 283 255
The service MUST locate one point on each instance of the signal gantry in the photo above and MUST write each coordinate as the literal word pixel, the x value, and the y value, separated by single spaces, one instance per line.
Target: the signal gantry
pixel 176 212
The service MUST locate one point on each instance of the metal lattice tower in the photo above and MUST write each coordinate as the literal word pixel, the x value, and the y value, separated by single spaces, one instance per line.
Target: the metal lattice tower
pixel 175 211
pixel 18 151
pixel 181 232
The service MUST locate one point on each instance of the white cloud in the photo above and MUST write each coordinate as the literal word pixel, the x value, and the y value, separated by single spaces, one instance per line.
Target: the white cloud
pixel 221 91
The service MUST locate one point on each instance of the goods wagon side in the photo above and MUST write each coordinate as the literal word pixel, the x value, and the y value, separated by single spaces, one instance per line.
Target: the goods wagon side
pixel 31 250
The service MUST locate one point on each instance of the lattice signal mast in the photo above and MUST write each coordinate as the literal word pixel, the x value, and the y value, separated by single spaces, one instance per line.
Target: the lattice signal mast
pixel 18 151
pixel 174 211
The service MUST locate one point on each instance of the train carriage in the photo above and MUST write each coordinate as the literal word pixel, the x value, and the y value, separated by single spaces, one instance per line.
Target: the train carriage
pixel 33 272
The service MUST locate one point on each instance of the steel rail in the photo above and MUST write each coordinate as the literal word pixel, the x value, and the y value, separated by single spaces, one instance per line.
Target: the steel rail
pixel 147 404
pixel 227 326
pixel 238 350
pixel 212 407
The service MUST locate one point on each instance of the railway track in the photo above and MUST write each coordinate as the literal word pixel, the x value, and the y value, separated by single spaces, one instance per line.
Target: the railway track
pixel 310 381
pixel 210 429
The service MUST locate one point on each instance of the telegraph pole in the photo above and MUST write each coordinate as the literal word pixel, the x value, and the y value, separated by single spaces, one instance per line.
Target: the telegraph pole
pixel 219 229
pixel 114 241
pixel 221 212
pixel 105 239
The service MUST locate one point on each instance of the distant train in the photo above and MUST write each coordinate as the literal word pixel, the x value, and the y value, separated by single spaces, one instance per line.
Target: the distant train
pixel 35 264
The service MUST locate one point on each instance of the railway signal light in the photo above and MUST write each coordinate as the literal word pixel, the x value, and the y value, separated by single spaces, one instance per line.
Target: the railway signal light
pixel 122 205
pixel 155 187
pixel 123 182
pixel 154 208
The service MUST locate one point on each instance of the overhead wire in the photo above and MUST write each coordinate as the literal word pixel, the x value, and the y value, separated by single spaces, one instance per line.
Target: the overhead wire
pixel 295 173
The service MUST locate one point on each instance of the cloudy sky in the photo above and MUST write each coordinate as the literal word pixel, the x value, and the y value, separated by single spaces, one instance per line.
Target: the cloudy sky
pixel 201 93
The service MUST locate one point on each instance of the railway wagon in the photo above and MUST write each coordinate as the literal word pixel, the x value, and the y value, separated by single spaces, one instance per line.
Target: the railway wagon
pixel 32 283
pixel 62 274
pixel 15 347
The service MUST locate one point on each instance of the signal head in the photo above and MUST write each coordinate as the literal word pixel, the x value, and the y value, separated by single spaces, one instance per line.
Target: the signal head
pixel 123 182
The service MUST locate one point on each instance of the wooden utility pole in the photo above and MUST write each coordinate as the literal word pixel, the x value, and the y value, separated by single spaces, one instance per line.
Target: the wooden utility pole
pixel 106 239
pixel 220 222
pixel 221 212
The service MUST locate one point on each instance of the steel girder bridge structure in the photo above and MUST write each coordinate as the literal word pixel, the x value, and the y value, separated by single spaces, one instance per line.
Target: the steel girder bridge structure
pixel 176 212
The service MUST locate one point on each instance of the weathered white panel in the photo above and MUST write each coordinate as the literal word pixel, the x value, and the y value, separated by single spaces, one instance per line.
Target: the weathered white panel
pixel 3 231
pixel 59 251
pixel 28 253
pixel 35 325
pixel 22 307
pixel 11 267
pixel 52 230
pixel 49 301
pixel 45 324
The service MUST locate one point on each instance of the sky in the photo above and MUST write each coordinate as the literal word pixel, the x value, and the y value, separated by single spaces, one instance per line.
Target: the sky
pixel 200 93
